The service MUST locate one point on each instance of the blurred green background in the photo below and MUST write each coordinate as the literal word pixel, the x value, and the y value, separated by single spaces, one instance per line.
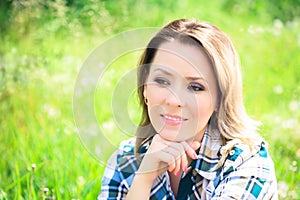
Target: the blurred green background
pixel 43 44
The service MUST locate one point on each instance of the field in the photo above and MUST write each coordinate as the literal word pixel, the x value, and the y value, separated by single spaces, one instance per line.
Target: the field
pixel 45 46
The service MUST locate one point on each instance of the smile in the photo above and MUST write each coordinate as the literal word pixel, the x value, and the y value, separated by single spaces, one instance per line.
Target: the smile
pixel 172 119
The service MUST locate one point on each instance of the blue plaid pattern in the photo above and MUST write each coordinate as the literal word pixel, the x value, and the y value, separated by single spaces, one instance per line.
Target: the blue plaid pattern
pixel 244 175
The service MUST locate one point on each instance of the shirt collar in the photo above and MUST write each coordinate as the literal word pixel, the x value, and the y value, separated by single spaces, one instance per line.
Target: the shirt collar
pixel 208 153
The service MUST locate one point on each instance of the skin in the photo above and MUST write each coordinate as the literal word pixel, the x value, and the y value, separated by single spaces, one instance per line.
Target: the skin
pixel 181 90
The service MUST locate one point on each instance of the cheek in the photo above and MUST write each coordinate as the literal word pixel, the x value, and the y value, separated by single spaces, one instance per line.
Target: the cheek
pixel 155 100
pixel 154 95
pixel 204 107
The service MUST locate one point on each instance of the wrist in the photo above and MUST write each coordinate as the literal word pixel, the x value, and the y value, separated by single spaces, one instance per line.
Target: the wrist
pixel 145 178
pixel 140 187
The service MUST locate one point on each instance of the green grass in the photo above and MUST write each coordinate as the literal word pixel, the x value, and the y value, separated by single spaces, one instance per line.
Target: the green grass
pixel 36 94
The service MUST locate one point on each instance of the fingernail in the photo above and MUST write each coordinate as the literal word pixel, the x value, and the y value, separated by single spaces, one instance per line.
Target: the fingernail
pixel 185 169
pixel 177 173
pixel 195 155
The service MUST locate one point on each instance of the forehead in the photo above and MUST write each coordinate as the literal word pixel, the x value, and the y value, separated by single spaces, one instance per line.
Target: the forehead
pixel 186 60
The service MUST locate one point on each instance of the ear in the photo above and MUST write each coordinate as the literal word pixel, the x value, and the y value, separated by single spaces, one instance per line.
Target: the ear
pixel 145 91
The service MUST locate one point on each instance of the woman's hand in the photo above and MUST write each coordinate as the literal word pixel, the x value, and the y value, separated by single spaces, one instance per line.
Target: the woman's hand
pixel 162 155
pixel 165 155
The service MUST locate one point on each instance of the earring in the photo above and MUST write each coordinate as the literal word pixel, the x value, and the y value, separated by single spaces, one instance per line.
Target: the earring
pixel 145 100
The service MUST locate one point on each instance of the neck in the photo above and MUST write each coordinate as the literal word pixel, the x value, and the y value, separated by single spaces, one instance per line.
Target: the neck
pixel 199 136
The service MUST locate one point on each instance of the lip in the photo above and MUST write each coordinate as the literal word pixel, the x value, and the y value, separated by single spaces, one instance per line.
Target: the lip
pixel 173 120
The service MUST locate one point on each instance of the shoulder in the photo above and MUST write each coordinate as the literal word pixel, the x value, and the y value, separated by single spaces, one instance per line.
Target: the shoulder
pixel 247 173
pixel 250 162
pixel 119 171
pixel 242 156
pixel 124 158
pixel 126 147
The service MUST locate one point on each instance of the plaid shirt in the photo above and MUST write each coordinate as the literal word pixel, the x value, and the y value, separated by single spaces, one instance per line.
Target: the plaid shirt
pixel 244 175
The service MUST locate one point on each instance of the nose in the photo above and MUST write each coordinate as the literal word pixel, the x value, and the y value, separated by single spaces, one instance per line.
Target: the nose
pixel 174 99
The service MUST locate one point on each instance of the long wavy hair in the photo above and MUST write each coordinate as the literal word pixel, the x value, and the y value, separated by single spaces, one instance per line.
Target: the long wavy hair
pixel 230 117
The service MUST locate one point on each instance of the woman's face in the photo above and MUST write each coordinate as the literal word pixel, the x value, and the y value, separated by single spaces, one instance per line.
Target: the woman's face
pixel 181 90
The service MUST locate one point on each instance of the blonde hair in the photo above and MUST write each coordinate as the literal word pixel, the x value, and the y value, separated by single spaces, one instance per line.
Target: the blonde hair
pixel 230 117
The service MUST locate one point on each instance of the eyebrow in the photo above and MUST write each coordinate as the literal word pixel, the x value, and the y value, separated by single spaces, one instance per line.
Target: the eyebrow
pixel 163 71
pixel 195 78
pixel 192 78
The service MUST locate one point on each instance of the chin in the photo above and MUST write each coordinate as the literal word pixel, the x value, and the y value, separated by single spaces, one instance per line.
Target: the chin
pixel 174 137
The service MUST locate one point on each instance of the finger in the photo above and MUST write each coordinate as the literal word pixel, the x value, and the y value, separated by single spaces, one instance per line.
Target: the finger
pixel 176 159
pixel 183 157
pixel 167 159
pixel 158 143
pixel 189 150
pixel 178 165
pixel 195 145
pixel 180 154
pixel 171 153
pixel 184 162
pixel 178 151
pixel 172 166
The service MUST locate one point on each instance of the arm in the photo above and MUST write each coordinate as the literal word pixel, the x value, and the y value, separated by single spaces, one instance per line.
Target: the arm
pixel 140 188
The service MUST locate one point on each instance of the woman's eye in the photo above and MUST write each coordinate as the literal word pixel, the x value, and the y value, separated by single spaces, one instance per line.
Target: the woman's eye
pixel 162 81
pixel 195 87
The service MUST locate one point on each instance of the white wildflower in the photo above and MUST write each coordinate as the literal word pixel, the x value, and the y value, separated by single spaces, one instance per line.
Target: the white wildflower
pixel 278 89
pixel 283 189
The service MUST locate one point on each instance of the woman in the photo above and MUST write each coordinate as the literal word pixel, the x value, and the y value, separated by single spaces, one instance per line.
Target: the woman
pixel 195 139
